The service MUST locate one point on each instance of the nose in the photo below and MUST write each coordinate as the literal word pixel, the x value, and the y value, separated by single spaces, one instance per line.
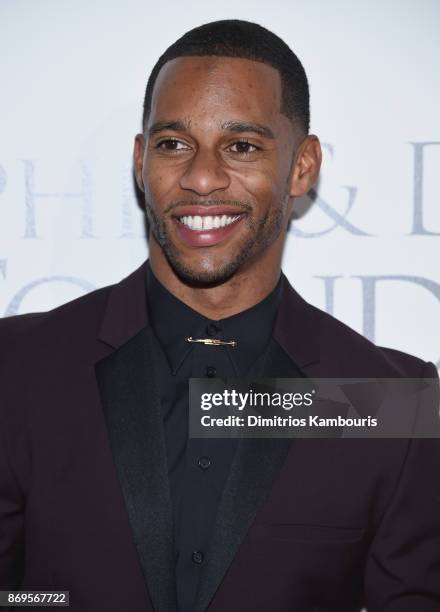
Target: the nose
pixel 205 174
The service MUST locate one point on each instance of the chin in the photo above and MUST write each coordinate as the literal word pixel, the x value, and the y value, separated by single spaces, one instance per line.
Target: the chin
pixel 199 276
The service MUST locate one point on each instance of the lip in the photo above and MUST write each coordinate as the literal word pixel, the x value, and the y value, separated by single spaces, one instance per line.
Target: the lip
pixel 205 238
pixel 208 211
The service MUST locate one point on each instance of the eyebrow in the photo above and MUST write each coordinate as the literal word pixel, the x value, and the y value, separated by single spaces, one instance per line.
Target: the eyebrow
pixel 240 127
pixel 231 126
pixel 175 126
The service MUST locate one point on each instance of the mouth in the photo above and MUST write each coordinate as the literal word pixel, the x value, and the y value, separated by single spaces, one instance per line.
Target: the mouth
pixel 207 229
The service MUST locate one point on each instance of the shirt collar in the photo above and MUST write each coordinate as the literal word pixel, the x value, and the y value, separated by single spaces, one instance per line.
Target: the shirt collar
pixel 173 321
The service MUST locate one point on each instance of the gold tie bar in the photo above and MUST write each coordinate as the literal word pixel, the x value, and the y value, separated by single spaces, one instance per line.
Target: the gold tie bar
pixel 212 341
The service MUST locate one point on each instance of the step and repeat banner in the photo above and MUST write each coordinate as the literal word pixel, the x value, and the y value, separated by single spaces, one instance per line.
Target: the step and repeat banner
pixel 364 245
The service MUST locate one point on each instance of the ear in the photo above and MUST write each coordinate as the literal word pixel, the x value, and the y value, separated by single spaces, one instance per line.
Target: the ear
pixel 138 159
pixel 306 166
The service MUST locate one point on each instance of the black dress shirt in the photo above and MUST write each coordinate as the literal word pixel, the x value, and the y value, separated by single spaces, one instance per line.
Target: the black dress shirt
pixel 198 468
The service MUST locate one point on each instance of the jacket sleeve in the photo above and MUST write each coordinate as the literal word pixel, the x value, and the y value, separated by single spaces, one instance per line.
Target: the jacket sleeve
pixel 11 523
pixel 403 565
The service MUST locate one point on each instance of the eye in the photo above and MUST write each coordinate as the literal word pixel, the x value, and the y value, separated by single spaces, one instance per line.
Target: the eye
pixel 243 147
pixel 172 145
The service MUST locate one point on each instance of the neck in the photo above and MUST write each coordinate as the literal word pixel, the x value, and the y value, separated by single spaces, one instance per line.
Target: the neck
pixel 248 286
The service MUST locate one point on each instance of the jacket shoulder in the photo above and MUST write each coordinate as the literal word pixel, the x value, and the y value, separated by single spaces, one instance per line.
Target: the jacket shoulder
pixel 69 323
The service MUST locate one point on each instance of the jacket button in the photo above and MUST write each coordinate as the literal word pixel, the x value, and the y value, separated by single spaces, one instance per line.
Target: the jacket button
pixel 197 556
pixel 204 462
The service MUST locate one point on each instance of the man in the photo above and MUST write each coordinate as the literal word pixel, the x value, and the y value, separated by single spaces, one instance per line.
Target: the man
pixel 102 493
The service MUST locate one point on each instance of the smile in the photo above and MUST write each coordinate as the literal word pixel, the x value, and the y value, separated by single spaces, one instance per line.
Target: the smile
pixel 206 230
pixel 198 223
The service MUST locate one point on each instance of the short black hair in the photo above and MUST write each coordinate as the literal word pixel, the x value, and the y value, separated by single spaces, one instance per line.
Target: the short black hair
pixel 244 39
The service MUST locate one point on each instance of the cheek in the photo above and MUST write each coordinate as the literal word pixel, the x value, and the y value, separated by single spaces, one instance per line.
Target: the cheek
pixel 158 182
pixel 264 187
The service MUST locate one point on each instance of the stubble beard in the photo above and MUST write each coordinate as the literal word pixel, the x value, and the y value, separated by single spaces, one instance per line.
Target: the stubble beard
pixel 263 233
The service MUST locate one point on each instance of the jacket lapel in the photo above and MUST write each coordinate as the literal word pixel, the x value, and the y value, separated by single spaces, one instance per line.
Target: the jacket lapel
pixel 131 406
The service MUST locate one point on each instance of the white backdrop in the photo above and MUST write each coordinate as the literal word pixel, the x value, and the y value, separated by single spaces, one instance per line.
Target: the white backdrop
pixel 73 74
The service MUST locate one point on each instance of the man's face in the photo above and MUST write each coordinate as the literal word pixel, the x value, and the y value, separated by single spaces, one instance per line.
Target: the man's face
pixel 216 167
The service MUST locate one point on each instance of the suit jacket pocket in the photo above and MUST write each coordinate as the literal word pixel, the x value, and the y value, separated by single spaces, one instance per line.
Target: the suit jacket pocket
pixel 296 532
pixel 322 560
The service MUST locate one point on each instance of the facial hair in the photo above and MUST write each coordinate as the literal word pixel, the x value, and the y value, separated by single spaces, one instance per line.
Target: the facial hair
pixel 263 232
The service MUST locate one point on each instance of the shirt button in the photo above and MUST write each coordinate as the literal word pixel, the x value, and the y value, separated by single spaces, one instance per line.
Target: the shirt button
pixel 204 462
pixel 211 372
pixel 197 556
pixel 212 329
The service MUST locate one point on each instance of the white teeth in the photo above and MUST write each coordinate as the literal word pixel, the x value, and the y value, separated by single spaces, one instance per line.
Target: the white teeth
pixel 208 223
pixel 198 223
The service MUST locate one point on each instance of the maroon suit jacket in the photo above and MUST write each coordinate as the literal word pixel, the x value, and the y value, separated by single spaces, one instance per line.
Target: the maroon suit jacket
pixel 311 525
